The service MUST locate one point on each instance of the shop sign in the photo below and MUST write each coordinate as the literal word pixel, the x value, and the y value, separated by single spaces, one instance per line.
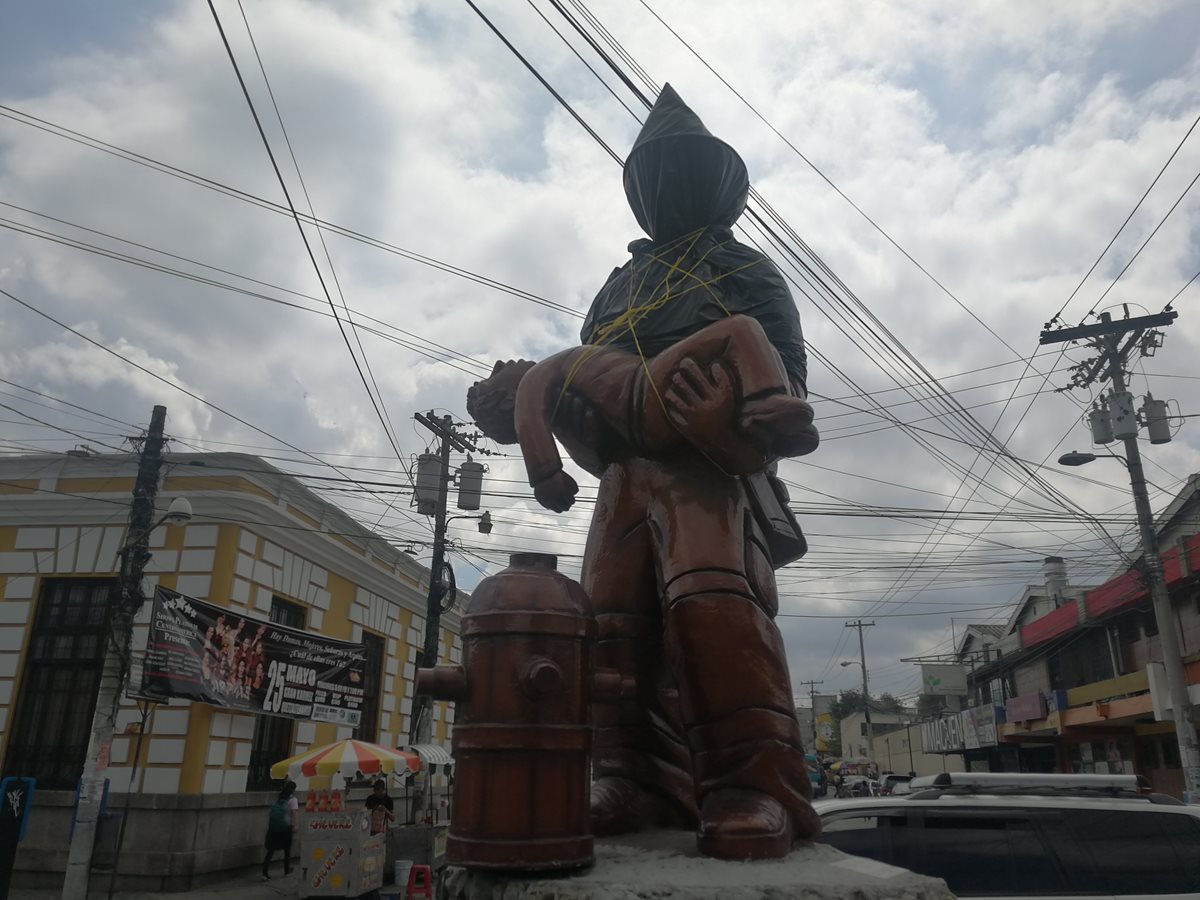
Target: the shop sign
pixel 971 729
pixel 942 735
pixel 979 727
pixel 945 681
pixel 826 727
pixel 1026 708
pixel 211 654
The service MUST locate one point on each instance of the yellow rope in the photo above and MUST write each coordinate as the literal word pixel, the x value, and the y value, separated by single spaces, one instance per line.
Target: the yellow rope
pixel 628 320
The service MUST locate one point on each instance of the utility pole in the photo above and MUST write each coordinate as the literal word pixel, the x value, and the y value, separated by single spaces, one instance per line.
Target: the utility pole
pixel 126 599
pixel 443 428
pixel 812 699
pixel 862 654
pixel 1107 337
pixel 421 725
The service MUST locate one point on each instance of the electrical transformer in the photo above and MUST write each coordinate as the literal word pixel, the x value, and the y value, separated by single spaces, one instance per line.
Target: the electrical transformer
pixel 470 484
pixel 428 483
pixel 1154 415
pixel 1101 422
pixel 1124 419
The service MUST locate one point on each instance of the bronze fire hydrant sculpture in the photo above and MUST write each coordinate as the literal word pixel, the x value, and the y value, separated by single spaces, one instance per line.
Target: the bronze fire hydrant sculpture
pixel 522 737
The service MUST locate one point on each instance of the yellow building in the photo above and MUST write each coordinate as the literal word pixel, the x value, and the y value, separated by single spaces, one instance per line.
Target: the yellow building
pixel 261 543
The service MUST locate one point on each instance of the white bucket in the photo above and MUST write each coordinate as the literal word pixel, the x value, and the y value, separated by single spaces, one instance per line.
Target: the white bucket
pixel 402 868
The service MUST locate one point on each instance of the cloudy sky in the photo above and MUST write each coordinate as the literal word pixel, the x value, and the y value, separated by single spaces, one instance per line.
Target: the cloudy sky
pixel 957 167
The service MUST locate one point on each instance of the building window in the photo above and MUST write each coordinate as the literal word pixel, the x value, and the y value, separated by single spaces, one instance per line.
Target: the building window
pixel 368 728
pixel 1149 624
pixel 67 643
pixel 273 734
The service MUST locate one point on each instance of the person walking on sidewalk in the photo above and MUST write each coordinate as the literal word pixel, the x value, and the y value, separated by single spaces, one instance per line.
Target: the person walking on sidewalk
pixel 280 825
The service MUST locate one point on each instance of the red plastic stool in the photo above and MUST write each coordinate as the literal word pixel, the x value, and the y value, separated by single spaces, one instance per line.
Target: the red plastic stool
pixel 420 882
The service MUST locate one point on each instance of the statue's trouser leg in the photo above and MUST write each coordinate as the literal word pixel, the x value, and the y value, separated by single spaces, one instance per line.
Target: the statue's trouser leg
pixel 727 656
pixel 641 764
pixel 752 782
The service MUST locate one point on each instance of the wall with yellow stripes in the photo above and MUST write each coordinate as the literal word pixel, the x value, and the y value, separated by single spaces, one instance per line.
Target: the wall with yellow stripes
pixel 347 587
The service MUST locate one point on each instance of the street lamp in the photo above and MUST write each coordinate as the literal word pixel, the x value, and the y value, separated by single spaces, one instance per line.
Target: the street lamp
pixel 485 521
pixel 134 554
pixel 1076 458
pixel 1160 600
pixel 178 513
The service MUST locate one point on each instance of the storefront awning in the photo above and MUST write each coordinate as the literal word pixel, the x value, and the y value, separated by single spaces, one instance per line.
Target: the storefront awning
pixel 431 754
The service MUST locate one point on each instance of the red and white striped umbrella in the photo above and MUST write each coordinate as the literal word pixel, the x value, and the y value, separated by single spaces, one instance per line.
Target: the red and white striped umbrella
pixel 346 758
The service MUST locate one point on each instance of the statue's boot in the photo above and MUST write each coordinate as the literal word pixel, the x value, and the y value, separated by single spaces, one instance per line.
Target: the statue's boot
pixel 752 781
pixel 641 766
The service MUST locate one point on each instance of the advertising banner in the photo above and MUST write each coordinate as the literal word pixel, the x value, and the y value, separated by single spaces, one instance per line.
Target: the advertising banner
pixel 979 727
pixel 970 729
pixel 942 735
pixel 212 654
pixel 946 681
pixel 826 727
pixel 1026 708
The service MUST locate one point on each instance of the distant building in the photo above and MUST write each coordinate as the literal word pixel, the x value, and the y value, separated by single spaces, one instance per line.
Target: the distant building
pixel 1073 681
pixel 897 743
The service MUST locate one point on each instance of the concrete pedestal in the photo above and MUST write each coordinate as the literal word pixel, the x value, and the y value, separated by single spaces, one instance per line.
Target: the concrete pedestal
pixel 655 865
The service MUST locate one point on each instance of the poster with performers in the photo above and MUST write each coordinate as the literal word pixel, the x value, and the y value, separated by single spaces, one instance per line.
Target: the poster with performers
pixel 213 654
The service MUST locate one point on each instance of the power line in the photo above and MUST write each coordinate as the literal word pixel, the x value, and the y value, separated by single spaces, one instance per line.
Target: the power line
pixel 219 187
pixel 376 403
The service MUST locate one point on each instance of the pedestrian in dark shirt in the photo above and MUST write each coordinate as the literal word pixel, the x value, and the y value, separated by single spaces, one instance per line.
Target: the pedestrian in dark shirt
pixel 280 825
pixel 381 807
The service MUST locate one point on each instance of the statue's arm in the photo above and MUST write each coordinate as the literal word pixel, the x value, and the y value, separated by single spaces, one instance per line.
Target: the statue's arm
pixel 532 414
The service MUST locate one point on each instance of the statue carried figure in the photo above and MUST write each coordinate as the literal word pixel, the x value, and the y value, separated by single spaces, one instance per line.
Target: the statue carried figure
pixel 688 387
pixel 723 390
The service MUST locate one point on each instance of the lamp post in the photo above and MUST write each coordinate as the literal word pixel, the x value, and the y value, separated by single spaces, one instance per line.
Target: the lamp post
pixel 1181 710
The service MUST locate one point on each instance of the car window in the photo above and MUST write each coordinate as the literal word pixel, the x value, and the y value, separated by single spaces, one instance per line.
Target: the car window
pixel 1138 852
pixel 863 833
pixel 981 853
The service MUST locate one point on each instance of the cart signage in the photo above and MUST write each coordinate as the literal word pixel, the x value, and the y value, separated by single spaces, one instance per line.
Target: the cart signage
pixel 329 823
pixel 212 654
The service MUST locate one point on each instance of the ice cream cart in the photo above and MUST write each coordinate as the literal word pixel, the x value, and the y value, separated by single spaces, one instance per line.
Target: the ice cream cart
pixel 339 857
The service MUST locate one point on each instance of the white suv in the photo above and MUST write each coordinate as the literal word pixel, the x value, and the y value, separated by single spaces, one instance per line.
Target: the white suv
pixel 1028 836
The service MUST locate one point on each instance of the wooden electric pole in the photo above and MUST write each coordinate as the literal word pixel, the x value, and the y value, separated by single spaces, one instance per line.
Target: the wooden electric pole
pixel 126 599
pixel 812 699
pixel 862 654
pixel 1116 341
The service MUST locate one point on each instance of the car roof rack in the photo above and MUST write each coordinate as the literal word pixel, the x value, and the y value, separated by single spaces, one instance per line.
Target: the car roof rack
pixel 1126 786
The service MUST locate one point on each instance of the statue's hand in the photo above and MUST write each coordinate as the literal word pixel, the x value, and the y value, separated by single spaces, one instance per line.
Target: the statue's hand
pixel 703 404
pixel 556 492
pixel 577 417
pixel 700 400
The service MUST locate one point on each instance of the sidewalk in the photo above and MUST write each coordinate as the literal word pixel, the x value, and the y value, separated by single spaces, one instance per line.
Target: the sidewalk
pixel 247 887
